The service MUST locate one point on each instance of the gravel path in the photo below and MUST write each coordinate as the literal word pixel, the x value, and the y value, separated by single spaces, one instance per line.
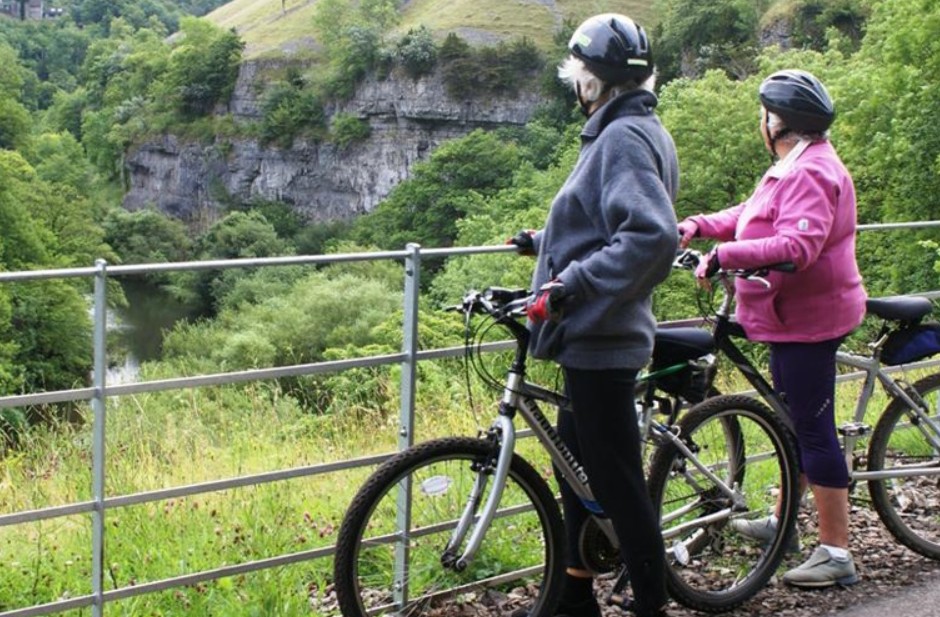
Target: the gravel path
pixel 883 565
pixel 885 568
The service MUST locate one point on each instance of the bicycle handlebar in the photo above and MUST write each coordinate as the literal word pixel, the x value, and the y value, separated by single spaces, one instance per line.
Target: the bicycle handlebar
pixel 689 259
pixel 498 302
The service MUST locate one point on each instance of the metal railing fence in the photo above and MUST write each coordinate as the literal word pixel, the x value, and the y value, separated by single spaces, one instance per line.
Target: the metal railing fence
pixel 98 393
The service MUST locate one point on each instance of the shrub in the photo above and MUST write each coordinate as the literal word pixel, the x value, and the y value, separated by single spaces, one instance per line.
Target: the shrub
pixel 347 128
pixel 287 111
pixel 469 72
pixel 417 52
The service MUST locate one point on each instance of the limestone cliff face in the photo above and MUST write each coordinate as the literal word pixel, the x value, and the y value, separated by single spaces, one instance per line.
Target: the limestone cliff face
pixel 408 119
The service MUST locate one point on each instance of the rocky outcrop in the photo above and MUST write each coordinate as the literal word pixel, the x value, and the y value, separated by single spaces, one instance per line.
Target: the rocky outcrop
pixel 408 119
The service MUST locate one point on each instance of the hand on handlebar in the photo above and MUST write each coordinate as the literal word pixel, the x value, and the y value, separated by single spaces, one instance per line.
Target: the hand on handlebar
pixel 708 266
pixel 524 241
pixel 688 229
pixel 547 303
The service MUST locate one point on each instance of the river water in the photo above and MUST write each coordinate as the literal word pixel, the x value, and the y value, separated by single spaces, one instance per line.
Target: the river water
pixel 135 332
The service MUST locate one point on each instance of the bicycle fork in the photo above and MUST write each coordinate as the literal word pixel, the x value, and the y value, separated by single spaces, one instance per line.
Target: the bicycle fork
pixel 473 520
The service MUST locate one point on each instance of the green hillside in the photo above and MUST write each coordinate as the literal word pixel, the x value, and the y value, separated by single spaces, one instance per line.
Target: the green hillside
pixel 269 29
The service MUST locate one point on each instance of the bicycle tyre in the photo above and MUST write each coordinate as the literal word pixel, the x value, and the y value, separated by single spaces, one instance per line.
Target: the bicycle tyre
pixel 907 506
pixel 709 567
pixel 527 534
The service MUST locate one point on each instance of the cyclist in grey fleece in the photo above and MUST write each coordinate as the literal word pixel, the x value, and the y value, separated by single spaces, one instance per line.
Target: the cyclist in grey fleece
pixel 610 238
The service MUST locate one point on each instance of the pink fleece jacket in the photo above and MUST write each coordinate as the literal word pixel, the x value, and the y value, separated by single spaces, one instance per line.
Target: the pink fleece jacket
pixel 802 211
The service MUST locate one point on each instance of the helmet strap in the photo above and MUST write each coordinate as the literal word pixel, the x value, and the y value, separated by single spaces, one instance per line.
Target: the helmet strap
pixel 585 107
pixel 773 138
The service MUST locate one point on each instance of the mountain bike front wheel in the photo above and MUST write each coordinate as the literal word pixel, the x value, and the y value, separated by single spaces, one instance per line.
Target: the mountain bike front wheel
pixel 391 558
pixel 710 566
pixel 903 442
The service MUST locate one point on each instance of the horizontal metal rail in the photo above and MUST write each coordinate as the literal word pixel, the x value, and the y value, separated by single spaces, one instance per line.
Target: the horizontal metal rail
pixel 100 391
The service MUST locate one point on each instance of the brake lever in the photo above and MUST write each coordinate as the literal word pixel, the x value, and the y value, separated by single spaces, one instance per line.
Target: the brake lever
pixel 754 275
pixel 687 259
pixel 517 308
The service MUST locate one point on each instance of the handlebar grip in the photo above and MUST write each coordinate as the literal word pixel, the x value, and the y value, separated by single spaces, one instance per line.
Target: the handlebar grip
pixel 503 295
pixel 784 266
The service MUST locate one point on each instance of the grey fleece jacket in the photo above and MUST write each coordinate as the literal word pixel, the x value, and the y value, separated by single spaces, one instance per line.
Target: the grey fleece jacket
pixel 610 238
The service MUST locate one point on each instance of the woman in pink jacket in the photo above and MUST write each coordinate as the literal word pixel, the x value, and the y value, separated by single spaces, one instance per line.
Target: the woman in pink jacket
pixel 802 211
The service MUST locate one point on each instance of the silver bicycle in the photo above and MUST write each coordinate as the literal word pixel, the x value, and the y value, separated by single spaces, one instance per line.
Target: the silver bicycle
pixel 467 522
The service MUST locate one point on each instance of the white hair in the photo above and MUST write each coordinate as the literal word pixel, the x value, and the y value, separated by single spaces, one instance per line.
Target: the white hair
pixel 575 73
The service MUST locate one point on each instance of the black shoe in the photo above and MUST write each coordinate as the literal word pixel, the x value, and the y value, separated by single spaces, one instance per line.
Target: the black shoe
pixel 588 608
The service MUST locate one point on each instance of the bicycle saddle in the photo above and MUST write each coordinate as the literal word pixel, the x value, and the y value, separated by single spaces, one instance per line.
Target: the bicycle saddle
pixel 673 345
pixel 899 308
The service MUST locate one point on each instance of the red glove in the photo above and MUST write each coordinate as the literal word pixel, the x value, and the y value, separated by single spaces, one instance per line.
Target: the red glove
pixel 547 302
pixel 524 242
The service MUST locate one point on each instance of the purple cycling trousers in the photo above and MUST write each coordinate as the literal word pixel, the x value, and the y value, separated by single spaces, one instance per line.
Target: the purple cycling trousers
pixel 805 374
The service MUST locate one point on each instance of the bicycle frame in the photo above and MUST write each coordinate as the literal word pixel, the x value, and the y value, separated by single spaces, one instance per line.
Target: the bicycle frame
pixel 520 396
pixel 725 330
pixel 851 432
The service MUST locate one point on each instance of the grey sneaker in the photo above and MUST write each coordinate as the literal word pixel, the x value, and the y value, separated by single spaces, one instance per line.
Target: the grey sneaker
pixel 821 570
pixel 763 530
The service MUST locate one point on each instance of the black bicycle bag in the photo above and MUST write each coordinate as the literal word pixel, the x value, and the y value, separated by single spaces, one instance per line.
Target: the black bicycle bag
pixel 911 343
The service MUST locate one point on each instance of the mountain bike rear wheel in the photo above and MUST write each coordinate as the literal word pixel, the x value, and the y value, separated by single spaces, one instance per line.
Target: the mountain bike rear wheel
pixel 902 441
pixel 710 567
pixel 390 557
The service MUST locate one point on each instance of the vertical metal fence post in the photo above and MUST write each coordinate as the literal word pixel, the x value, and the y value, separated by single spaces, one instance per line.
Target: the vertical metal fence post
pixel 98 404
pixel 409 370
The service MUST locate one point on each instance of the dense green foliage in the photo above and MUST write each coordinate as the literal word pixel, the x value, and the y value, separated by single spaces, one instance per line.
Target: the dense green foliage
pixel 441 191
pixel 139 13
pixel 693 37
pixel 74 92
pixel 495 71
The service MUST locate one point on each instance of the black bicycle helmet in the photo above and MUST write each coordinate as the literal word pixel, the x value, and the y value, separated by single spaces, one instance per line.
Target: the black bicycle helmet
pixel 613 47
pixel 800 100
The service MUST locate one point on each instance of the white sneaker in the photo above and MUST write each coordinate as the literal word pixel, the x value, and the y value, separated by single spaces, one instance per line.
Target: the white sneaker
pixel 764 530
pixel 821 570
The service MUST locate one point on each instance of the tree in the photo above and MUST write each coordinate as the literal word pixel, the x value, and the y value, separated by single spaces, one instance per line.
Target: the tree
pixel 890 93
pixel 714 122
pixel 147 236
pixel 14 124
pixel 203 68
pixel 44 326
pixel 237 235
pixel 426 207
pixel 692 36
pixel 417 52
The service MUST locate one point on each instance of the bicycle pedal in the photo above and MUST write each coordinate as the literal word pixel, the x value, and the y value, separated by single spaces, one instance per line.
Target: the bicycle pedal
pixel 620 601
pixel 854 429
pixel 618 595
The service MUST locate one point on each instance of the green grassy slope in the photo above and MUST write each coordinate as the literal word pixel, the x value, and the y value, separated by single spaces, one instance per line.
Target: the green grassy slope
pixel 269 30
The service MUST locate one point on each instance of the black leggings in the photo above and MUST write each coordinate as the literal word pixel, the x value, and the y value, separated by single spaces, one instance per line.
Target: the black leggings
pixel 601 431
